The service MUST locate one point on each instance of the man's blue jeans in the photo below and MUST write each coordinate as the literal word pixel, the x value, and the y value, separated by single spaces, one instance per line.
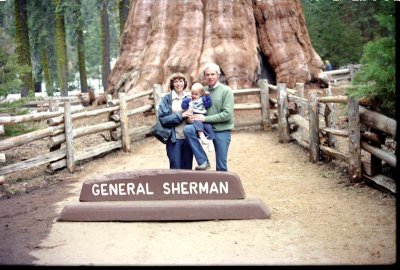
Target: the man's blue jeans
pixel 221 145
pixel 180 154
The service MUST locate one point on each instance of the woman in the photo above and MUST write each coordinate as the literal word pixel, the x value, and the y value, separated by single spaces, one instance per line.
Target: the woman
pixel 170 114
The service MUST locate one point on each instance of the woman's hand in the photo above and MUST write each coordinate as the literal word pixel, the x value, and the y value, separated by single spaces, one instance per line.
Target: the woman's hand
pixel 198 117
pixel 187 113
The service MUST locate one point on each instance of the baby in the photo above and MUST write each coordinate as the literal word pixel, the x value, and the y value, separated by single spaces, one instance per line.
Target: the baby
pixel 198 103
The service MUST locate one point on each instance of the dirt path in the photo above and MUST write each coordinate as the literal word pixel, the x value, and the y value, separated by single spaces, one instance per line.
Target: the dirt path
pixel 316 218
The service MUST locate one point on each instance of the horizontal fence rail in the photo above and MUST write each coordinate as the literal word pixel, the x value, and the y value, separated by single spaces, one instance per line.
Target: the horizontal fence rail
pixel 345 74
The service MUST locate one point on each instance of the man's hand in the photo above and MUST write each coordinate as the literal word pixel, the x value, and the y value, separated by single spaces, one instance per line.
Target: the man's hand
pixel 198 117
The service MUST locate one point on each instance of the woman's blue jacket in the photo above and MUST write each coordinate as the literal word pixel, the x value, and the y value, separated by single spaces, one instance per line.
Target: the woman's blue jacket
pixel 167 117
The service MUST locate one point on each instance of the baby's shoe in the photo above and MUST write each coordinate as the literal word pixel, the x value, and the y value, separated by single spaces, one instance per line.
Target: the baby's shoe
pixel 210 147
pixel 204 140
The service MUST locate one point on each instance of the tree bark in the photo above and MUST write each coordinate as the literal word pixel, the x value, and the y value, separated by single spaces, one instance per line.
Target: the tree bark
pixel 61 49
pixel 162 37
pixel 284 39
pixel 105 38
pixel 81 48
pixel 46 69
pixel 23 49
pixel 123 9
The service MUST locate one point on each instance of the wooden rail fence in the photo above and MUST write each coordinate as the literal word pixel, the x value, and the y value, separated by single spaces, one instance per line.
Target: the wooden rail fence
pixel 345 74
pixel 297 118
pixel 367 131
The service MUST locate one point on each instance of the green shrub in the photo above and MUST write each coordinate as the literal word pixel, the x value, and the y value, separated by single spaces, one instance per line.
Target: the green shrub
pixel 377 77
pixel 10 73
pixel 14 108
pixel 18 129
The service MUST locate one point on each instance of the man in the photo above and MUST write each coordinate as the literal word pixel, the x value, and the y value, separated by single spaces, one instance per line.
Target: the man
pixel 220 115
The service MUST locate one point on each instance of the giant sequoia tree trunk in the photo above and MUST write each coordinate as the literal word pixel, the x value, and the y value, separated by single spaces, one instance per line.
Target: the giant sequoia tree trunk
pixel 248 39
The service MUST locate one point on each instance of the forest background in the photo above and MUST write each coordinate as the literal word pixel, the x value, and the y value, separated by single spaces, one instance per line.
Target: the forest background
pixel 55 45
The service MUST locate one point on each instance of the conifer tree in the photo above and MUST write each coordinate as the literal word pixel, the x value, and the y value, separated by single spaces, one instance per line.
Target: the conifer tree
pixel 23 49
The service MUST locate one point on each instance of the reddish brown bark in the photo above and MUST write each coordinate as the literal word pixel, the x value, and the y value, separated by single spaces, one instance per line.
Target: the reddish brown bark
pixel 162 36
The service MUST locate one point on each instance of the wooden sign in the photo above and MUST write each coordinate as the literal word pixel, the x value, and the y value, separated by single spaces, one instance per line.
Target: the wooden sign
pixel 147 185
pixel 164 195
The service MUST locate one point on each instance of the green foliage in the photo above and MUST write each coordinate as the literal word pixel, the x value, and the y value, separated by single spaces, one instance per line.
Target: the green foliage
pixel 15 108
pixel 340 29
pixel 93 40
pixel 376 80
pixel 41 22
pixel 10 73
pixel 363 32
pixel 19 129
pixel 7 21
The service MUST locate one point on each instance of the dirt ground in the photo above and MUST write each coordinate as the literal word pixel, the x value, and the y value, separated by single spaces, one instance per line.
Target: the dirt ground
pixel 317 217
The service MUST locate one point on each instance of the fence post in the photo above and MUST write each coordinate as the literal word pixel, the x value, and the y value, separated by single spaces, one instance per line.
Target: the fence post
pixel 351 71
pixel 157 90
pixel 355 172
pixel 300 93
pixel 376 163
pixel 283 124
pixel 109 101
pixel 53 107
pixel 330 120
pixel 126 140
pixel 112 116
pixel 69 137
pixel 313 126
pixel 265 109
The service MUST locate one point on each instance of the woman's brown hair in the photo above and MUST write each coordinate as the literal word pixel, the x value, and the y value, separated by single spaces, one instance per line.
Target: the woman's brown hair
pixel 176 76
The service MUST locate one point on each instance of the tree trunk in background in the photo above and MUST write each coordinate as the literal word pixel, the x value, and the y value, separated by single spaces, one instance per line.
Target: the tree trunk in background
pixel 62 68
pixel 250 40
pixel 46 69
pixel 123 9
pixel 23 49
pixel 81 48
pixel 105 38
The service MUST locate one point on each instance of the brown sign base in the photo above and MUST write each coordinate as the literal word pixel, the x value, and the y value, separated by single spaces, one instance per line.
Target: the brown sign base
pixel 166 210
pixel 164 195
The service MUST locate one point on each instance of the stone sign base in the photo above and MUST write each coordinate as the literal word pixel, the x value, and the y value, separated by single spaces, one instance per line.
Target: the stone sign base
pixel 166 210
pixel 164 195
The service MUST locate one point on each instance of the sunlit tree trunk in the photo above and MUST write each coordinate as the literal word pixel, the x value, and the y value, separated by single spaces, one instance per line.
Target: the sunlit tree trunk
pixel 62 66
pixel 22 45
pixel 105 38
pixel 46 69
pixel 81 47
pixel 41 27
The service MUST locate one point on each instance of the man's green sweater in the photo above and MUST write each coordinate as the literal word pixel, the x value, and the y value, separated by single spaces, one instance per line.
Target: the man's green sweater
pixel 220 114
